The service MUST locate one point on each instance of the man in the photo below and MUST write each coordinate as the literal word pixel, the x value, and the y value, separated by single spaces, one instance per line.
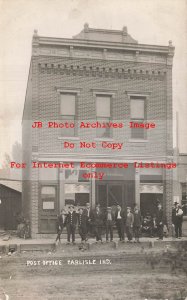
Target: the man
pixel 177 219
pixel 137 223
pixel 120 223
pixel 129 224
pixel 71 221
pixel 60 224
pixel 109 223
pixel 82 225
pixel 160 221
pixel 97 219
pixel 87 211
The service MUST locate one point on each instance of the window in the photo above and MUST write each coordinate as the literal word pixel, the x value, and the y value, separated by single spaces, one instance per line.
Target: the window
pixel 77 193
pixel 137 112
pixel 103 114
pixel 67 112
pixel 184 198
pixel 48 197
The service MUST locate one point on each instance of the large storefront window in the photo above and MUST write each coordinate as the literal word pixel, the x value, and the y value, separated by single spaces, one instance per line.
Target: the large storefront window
pixel 184 198
pixel 76 193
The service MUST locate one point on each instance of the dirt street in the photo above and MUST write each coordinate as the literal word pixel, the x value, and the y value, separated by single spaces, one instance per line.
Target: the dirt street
pixel 114 276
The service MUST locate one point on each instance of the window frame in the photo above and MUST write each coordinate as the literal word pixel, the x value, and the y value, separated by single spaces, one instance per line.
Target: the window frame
pixel 76 93
pixel 101 118
pixel 138 96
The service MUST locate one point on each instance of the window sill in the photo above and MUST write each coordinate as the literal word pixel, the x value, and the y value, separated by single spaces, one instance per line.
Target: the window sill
pixel 104 139
pixel 72 138
pixel 138 141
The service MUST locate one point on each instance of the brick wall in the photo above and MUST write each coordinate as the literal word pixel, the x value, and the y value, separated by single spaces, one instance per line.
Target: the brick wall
pixel 76 73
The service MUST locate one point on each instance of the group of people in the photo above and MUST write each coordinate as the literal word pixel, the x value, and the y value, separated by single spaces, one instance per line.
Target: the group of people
pixel 97 222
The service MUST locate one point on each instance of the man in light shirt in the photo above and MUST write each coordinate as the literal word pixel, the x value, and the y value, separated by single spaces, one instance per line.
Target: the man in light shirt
pixel 120 223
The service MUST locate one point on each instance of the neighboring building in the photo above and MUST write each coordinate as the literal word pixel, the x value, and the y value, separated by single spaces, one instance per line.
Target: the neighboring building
pixel 105 76
pixel 10 203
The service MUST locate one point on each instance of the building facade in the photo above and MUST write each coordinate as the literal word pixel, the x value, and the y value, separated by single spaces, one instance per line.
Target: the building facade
pixel 76 87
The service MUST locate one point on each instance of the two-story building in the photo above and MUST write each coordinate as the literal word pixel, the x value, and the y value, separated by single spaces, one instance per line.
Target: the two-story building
pixel 91 93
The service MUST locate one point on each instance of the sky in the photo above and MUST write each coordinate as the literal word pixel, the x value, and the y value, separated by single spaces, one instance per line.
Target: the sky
pixel 148 21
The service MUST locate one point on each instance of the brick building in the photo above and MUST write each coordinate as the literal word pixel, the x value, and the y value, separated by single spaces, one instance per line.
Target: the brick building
pixel 97 76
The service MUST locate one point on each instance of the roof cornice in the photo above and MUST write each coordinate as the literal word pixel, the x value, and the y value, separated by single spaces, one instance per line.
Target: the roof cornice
pixel 51 41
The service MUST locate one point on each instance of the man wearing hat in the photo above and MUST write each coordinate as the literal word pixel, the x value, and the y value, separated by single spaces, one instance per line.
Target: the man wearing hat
pixel 177 219
pixel 88 213
pixel 109 223
pixel 82 224
pixel 160 221
pixel 71 221
pixel 120 219
pixel 129 224
pixel 97 219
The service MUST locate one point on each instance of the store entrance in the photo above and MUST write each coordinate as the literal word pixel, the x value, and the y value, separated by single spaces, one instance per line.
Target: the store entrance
pixel 149 202
pixel 114 193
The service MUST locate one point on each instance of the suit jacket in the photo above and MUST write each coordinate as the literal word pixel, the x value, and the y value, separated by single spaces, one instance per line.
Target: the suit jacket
pixel 105 218
pixel 160 217
pixel 122 214
pixel 82 220
pixel 60 222
pixel 72 220
pixel 177 217
pixel 85 211
pixel 130 219
pixel 137 219
pixel 97 218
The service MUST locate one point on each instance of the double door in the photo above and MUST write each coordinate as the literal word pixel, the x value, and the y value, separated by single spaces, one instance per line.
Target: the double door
pixel 114 193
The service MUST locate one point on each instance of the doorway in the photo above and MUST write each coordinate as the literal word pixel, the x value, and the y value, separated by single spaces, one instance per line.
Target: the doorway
pixel 149 202
pixel 113 193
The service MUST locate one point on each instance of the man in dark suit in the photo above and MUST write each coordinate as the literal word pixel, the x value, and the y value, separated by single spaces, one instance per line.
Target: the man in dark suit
pixel 120 219
pixel 60 224
pixel 71 221
pixel 82 224
pixel 109 220
pixel 97 220
pixel 160 221
pixel 88 212
pixel 177 219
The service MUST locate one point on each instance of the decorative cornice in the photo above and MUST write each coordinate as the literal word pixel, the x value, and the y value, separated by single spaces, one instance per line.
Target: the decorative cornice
pixel 77 70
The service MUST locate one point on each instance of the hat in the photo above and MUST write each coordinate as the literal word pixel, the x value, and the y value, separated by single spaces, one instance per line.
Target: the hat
pixel 128 207
pixel 175 202
pixel 109 207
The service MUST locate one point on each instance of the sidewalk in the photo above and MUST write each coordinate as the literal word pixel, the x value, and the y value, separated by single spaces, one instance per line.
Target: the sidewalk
pixel 23 245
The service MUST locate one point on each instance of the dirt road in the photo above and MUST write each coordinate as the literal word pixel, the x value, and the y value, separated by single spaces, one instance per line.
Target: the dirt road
pixel 87 276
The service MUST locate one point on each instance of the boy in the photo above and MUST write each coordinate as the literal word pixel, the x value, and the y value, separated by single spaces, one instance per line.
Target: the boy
pixel 137 223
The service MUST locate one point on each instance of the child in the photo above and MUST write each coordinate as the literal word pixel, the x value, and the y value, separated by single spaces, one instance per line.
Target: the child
pixel 137 224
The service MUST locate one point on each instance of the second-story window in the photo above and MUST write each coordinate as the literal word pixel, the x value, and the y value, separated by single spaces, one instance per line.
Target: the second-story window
pixel 103 114
pixel 67 112
pixel 137 113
